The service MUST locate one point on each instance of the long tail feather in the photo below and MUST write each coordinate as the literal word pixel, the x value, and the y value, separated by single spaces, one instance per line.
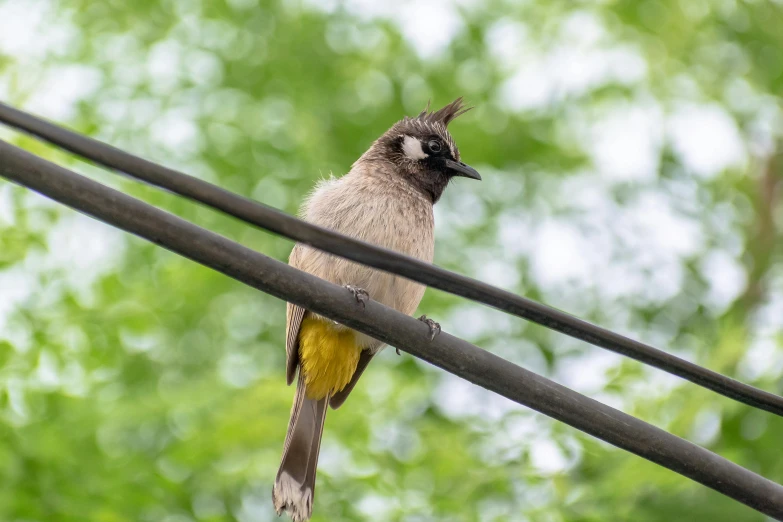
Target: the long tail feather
pixel 295 482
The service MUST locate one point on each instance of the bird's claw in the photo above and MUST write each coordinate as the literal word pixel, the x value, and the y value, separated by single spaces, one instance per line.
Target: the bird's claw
pixel 360 294
pixel 434 327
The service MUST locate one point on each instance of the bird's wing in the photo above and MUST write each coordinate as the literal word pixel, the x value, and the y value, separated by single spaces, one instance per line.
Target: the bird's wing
pixel 293 321
pixel 338 398
pixel 294 315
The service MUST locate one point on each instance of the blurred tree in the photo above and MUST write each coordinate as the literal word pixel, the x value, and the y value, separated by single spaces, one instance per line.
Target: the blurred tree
pixel 631 157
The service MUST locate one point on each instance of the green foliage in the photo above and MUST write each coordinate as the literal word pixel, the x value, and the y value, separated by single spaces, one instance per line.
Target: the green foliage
pixel 137 386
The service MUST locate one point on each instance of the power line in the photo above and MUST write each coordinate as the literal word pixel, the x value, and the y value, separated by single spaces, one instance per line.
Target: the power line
pixel 392 327
pixel 288 226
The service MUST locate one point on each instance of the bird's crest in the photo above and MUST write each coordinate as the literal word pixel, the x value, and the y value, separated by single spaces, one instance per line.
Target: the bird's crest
pixel 445 115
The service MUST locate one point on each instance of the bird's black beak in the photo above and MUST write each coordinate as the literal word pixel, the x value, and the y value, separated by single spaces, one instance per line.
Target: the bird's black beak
pixel 460 169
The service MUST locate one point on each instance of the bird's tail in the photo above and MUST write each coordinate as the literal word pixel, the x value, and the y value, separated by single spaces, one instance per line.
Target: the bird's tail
pixel 295 482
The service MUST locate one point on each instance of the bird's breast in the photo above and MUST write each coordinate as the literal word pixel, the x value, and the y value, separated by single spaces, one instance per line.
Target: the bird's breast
pixel 399 220
pixel 397 224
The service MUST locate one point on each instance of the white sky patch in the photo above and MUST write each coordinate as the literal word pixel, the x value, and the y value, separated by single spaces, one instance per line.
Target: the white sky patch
pixel 769 317
pixel 657 237
pixel 29 33
pixel 587 372
pixel 581 60
pixel 412 148
pixel 547 457
pixel 582 28
pixel 559 254
pixel 499 272
pixel 470 321
pixel 176 132
pixel 7 205
pixel 631 249
pixel 626 142
pixel 164 66
pixel 726 277
pixel 576 70
pixel 530 88
pixel 451 215
pixel 661 227
pixel 653 384
pixel 459 399
pixel 80 250
pixel 84 250
pixel 507 42
pixel 25 32
pixel 546 78
pixel 706 427
pixel 428 26
pixel 377 507
pixel 62 87
pixel 83 244
pixel 763 359
pixel 514 232
pixel 706 139
pixel 763 129
pixel 16 285
pixel 430 39
pixel 204 68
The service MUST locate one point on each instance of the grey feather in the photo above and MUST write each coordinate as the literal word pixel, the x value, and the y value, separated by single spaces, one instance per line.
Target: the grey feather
pixel 445 115
pixel 294 316
pixel 294 486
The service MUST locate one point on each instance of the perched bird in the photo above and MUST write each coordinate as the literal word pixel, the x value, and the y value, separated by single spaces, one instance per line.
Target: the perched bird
pixel 386 199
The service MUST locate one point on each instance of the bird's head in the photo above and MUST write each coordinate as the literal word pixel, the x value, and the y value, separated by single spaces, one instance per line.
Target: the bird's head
pixel 422 151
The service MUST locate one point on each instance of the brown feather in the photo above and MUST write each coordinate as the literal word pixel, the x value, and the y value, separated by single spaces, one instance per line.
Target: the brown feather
pixel 293 321
pixel 445 115
pixel 381 201
pixel 294 316
pixel 294 486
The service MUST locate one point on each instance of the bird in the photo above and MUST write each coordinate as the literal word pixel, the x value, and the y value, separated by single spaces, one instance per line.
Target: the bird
pixel 385 199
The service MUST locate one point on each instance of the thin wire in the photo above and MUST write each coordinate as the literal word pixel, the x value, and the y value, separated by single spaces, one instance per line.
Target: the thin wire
pixel 288 226
pixel 392 327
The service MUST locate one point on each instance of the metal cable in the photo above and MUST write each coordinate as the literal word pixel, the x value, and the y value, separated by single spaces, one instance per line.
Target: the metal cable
pixel 291 227
pixel 392 327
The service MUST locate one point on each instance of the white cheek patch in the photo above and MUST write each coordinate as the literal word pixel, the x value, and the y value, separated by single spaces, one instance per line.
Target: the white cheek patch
pixel 412 148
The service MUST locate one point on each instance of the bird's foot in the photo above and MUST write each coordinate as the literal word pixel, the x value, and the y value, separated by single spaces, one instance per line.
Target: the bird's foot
pixel 434 327
pixel 360 294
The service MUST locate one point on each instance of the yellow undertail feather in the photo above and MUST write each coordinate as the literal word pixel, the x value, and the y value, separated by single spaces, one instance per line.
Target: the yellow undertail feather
pixel 328 355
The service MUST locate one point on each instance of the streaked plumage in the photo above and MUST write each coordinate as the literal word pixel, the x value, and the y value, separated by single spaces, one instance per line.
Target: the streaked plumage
pixel 386 199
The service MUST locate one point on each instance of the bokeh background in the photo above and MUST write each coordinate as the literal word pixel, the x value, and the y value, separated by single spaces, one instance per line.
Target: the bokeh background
pixel 632 154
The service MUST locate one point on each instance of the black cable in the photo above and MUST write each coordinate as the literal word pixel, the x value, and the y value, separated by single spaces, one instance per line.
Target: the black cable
pixel 285 225
pixel 392 327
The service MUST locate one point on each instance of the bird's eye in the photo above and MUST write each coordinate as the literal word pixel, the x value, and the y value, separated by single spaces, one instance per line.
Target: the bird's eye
pixel 434 145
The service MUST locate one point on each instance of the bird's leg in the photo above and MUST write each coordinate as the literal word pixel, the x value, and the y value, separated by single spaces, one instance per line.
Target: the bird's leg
pixel 434 327
pixel 360 294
